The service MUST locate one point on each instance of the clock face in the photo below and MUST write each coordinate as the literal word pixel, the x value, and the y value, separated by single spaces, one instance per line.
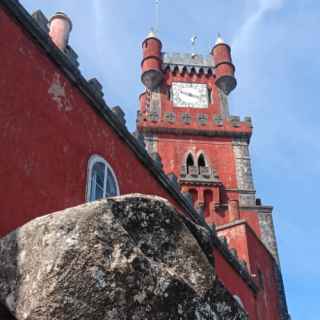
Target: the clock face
pixel 190 95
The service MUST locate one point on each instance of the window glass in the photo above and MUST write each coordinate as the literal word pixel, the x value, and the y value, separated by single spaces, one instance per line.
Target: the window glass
pixel 101 180
pixel 97 181
pixel 111 189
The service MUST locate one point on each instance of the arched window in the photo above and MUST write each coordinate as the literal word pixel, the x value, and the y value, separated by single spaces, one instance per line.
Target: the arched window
pixel 102 181
pixel 201 161
pixel 190 162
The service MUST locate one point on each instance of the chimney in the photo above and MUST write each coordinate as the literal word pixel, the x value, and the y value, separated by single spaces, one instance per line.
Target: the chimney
pixel 60 26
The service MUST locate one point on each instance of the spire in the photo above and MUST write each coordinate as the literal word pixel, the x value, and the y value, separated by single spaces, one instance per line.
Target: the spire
pixel 219 40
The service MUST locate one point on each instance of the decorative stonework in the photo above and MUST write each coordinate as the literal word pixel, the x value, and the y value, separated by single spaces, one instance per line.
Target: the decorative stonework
pixel 186 118
pixel 202 119
pixel 193 171
pixel 235 121
pixel 151 142
pixel 154 116
pixel 224 104
pixel 186 62
pixel 153 105
pixel 170 117
pixel 206 172
pixel 218 120
pixel 244 172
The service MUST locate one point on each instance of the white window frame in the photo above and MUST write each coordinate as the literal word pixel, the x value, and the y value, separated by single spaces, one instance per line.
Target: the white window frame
pixel 91 162
pixel 238 299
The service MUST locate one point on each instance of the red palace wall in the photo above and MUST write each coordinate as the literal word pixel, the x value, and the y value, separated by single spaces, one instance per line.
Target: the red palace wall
pixel 48 133
pixel 218 152
pixel 236 285
pixel 260 264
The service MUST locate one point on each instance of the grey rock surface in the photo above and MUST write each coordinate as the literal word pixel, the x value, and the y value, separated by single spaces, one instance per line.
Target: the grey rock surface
pixel 130 257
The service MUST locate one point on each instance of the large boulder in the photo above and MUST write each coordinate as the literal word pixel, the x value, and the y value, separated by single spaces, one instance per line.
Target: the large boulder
pixel 131 257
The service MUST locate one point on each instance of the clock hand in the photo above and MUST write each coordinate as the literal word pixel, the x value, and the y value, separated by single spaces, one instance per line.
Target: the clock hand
pixel 189 94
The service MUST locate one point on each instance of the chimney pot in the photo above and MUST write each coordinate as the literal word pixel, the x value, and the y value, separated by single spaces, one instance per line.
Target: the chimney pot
pixel 60 26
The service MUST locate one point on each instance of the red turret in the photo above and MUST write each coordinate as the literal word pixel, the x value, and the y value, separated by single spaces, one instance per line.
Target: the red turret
pixel 151 63
pixel 224 69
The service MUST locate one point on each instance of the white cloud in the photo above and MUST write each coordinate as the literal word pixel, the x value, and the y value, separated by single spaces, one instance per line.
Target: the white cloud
pixel 248 27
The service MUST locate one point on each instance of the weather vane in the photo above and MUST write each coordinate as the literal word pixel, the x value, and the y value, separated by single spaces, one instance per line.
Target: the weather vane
pixel 193 40
pixel 157 15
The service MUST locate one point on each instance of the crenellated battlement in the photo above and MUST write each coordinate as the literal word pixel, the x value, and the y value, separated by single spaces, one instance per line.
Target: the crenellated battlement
pixel 202 122
pixel 186 62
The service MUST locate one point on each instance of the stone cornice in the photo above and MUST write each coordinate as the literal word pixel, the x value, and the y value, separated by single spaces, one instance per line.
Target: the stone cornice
pixel 198 132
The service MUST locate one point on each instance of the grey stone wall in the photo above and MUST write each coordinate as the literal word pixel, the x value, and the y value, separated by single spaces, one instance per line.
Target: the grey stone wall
pixel 224 104
pixel 268 236
pixel 155 102
pixel 244 172
pixel 151 142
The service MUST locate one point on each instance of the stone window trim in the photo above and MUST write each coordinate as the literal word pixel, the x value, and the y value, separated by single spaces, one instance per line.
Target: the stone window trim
pixel 93 160
pixel 239 300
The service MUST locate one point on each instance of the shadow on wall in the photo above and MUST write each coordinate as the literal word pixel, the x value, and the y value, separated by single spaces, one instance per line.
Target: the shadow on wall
pixel 11 271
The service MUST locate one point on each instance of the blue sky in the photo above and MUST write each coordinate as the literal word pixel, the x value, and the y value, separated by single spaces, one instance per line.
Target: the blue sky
pixel 275 49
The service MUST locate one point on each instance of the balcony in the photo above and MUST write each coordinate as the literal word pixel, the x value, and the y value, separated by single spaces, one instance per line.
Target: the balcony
pixel 198 175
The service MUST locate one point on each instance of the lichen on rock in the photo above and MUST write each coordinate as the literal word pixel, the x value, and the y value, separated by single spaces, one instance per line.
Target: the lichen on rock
pixel 129 257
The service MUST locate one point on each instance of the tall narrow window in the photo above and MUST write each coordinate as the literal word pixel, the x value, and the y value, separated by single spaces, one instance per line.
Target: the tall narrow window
pixel 102 181
pixel 190 162
pixel 201 161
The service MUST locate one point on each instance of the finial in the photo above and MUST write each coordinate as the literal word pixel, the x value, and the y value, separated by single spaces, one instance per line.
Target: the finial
pixel 193 40
pixel 152 34
pixel 219 39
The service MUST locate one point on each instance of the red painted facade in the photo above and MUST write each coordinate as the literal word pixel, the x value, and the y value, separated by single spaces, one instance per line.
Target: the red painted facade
pixel 260 263
pixel 217 197
pixel 49 130
pixel 48 133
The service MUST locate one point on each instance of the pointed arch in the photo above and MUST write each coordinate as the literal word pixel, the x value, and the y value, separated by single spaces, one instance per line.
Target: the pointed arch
pixel 189 161
pixel 202 160
pixel 101 179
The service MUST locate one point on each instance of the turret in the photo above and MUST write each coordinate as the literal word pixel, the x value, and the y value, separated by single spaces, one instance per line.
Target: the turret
pixel 60 26
pixel 224 69
pixel 151 63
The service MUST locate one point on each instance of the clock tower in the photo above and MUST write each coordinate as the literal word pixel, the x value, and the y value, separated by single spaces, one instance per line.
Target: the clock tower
pixel 185 121
pixel 184 118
